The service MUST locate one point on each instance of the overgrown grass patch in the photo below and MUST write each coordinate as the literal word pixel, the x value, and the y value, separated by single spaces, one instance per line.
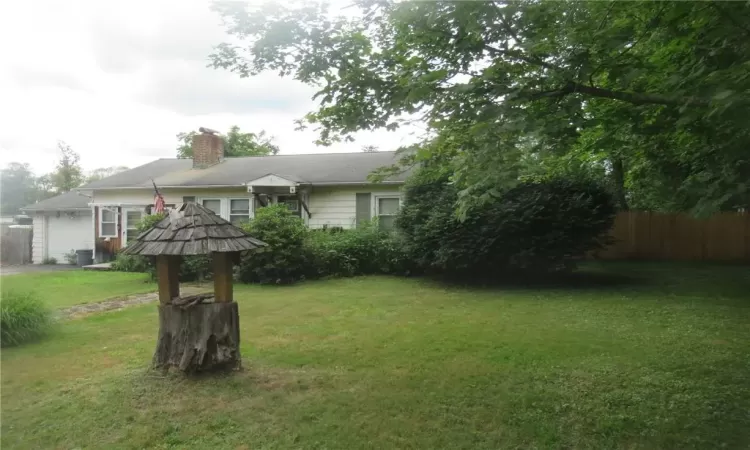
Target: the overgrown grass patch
pixel 23 318
pixel 659 361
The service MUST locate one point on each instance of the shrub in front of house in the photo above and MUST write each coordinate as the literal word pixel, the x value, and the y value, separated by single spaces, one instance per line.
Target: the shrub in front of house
pixel 131 263
pixel 71 257
pixel 285 259
pixel 537 226
pixel 196 268
pixel 360 251
pixel 294 252
pixel 23 317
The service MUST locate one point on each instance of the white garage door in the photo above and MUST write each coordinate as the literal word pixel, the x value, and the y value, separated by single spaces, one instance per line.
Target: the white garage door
pixel 69 232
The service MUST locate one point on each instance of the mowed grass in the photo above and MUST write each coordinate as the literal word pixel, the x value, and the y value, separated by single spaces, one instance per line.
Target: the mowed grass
pixel 66 288
pixel 643 356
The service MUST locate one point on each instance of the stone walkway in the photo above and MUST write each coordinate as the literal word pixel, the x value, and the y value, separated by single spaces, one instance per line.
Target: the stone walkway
pixel 122 302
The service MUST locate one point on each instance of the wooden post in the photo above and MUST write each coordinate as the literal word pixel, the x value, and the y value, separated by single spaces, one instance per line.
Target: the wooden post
pixel 222 277
pixel 167 274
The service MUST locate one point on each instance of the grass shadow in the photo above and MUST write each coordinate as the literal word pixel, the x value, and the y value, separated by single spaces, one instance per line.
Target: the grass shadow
pixel 578 280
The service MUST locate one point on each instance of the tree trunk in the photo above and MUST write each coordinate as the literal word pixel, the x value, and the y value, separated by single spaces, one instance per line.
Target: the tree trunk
pixel 618 181
pixel 199 338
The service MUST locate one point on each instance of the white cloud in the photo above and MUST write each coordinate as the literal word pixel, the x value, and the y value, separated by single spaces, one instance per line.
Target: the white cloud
pixel 117 80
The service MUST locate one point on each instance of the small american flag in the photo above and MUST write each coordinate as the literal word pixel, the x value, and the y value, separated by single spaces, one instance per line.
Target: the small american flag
pixel 158 200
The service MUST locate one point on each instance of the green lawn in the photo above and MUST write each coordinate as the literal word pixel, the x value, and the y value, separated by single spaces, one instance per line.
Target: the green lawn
pixel 66 288
pixel 376 362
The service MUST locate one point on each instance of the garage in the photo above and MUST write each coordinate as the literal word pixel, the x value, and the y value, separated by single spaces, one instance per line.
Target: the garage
pixel 61 224
pixel 68 231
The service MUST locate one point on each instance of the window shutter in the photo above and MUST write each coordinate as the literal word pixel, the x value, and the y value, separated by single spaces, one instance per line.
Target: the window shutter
pixel 363 208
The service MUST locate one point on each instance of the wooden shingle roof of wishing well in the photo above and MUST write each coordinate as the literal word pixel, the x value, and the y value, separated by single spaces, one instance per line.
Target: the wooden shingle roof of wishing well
pixel 192 230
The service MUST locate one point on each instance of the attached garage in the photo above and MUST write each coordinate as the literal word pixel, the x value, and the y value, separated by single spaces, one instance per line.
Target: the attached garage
pixel 61 224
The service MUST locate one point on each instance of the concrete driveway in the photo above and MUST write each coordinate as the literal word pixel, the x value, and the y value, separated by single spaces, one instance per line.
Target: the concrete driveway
pixel 35 268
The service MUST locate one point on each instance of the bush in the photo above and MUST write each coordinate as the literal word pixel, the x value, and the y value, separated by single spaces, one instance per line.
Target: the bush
pixel 196 268
pixel 23 317
pixel 284 260
pixel 50 260
pixel 364 250
pixel 71 257
pixel 131 263
pixel 536 226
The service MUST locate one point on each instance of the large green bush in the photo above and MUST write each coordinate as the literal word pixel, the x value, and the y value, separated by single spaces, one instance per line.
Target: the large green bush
pixel 363 250
pixel 536 226
pixel 23 317
pixel 285 259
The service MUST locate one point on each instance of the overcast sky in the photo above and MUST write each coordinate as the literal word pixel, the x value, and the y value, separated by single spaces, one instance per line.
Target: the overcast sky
pixel 117 80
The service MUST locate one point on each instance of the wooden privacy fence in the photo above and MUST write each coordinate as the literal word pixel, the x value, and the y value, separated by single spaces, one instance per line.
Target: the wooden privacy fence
pixel 15 245
pixel 679 237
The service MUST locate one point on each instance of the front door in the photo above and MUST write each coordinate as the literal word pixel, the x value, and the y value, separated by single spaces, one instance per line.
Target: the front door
pixel 291 202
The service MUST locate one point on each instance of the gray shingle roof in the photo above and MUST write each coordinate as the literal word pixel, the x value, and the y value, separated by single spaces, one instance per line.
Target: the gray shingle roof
pixel 192 230
pixel 316 168
pixel 70 201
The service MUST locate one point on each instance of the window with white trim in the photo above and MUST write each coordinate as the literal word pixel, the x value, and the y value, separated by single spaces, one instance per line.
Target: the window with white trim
pixel 214 204
pixel 132 218
pixel 107 221
pixel 386 209
pixel 239 210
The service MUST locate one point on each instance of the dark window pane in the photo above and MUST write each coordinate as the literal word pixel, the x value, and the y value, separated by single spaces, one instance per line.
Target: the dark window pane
pixel 213 205
pixel 363 208
pixel 386 222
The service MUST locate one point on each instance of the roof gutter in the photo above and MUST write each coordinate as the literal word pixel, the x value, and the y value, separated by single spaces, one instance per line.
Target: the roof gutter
pixel 214 186
pixel 54 209
pixel 353 183
pixel 205 186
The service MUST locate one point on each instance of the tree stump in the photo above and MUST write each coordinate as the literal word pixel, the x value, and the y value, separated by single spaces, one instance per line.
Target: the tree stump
pixel 199 338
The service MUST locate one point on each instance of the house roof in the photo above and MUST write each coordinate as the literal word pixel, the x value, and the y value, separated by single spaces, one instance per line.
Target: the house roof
pixel 69 201
pixel 316 168
pixel 192 230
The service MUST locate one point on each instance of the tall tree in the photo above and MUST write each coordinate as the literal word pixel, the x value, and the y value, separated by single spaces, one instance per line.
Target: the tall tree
pixel 104 172
pixel 236 143
pixel 653 96
pixel 18 188
pixel 68 174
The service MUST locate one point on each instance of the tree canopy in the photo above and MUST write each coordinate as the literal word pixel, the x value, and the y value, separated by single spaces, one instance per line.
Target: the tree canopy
pixel 651 96
pixel 104 172
pixel 18 186
pixel 68 174
pixel 236 143
pixel 21 187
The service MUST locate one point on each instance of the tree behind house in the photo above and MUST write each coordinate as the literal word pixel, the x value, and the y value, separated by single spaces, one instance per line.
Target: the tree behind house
pixel 650 96
pixel 236 143
pixel 68 174
pixel 18 188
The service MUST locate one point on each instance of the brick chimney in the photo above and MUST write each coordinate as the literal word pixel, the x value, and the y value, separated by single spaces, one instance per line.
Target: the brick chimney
pixel 208 148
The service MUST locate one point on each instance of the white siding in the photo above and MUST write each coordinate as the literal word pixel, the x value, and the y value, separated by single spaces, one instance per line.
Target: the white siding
pixel 336 206
pixel 57 234
pixel 69 231
pixel 333 206
pixel 143 197
pixel 139 197
pixel 38 240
